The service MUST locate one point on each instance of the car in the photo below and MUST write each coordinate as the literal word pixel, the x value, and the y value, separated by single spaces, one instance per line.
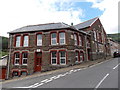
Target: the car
pixel 116 54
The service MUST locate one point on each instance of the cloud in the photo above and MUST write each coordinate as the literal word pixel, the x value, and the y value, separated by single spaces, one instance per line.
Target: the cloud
pixel 109 18
pixel 18 13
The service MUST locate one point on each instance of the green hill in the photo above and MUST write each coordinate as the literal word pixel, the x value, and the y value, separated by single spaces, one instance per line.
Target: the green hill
pixel 115 37
pixel 3 46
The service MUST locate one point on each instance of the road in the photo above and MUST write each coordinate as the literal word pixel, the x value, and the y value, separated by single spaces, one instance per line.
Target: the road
pixel 102 75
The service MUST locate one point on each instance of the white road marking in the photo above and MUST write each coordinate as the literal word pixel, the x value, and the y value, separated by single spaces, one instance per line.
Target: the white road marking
pixel 62 75
pixel 44 80
pixel 116 66
pixel 65 74
pixel 58 76
pixel 78 69
pixel 70 71
pixel 37 85
pixel 98 63
pixel 48 80
pixel 33 85
pixel 101 81
pixel 53 77
pixel 75 70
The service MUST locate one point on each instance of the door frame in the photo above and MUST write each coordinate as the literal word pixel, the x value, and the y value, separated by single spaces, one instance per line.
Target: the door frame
pixel 35 57
pixel 88 53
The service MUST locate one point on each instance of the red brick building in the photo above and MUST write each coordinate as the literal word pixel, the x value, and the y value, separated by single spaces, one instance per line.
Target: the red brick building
pixel 100 47
pixel 43 47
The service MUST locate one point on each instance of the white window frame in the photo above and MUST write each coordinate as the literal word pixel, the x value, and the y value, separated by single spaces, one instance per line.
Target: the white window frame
pixel 15 59
pixel 53 39
pixel 25 42
pixel 88 43
pixel 80 40
pixel 24 58
pixel 75 39
pixel 62 38
pixel 18 41
pixel 39 41
pixel 54 58
pixel 95 36
pixel 81 56
pixel 76 56
pixel 62 58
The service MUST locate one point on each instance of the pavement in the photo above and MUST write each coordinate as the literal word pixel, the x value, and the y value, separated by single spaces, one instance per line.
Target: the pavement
pixel 91 74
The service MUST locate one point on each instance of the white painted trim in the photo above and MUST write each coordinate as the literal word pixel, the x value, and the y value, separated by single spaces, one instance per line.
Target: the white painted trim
pixel 60 59
pixel 93 21
pixel 51 58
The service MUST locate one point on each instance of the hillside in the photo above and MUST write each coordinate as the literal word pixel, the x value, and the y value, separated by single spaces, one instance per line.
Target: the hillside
pixel 115 37
pixel 3 46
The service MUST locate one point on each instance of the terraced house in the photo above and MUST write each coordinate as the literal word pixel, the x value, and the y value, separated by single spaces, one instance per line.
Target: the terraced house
pixel 43 47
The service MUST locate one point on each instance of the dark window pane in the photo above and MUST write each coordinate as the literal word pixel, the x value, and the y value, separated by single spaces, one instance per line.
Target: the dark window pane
pixel 62 60
pixel 39 36
pixel 53 61
pixel 62 54
pixel 17 55
pixel 53 35
pixel 25 55
pixel 23 73
pixel 53 54
pixel 15 73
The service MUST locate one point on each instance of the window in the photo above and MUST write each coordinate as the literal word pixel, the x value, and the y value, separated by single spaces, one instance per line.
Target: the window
pixel 100 37
pixel 95 36
pixel 23 73
pixel 15 74
pixel 53 39
pixel 81 56
pixel 76 56
pixel 17 58
pixel 62 38
pixel 62 56
pixel 88 42
pixel 17 41
pixel 24 58
pixel 25 43
pixel 75 38
pixel 54 57
pixel 39 40
pixel 80 41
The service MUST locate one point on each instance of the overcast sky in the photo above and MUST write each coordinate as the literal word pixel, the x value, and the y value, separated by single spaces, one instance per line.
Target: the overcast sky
pixel 19 13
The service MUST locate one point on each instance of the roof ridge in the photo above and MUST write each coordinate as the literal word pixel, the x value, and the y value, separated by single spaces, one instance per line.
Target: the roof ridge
pixel 64 23
pixel 42 24
pixel 88 20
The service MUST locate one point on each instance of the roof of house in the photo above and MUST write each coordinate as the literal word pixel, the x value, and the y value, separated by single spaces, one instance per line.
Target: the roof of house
pixel 86 23
pixel 3 61
pixel 42 27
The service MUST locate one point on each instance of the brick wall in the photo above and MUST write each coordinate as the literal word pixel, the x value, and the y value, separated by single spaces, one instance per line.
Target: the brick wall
pixel 69 47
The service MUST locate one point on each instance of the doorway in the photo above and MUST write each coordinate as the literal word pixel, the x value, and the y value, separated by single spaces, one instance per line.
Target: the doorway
pixel 38 61
pixel 88 52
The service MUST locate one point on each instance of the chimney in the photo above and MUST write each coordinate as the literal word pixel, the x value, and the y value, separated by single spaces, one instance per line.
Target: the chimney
pixel 72 24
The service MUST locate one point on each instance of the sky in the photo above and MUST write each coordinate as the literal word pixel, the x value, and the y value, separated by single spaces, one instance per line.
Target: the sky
pixel 19 13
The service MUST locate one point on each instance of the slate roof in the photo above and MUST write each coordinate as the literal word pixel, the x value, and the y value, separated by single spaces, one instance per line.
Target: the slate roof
pixel 49 26
pixel 86 23
pixel 3 61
